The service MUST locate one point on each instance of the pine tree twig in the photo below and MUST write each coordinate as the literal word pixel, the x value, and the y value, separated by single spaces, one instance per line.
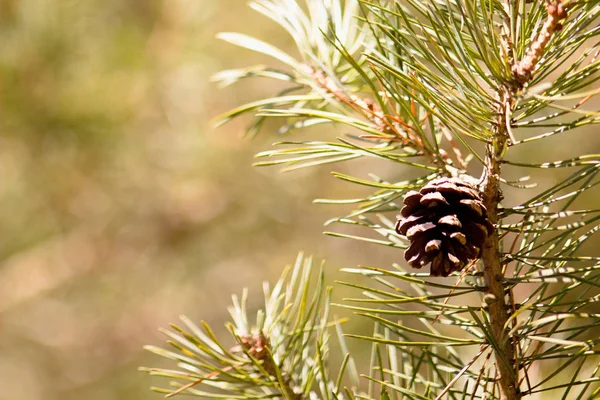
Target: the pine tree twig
pixel 507 46
pixel 436 85
pixel 197 382
pixel 257 346
pixel 481 372
pixel 523 70
pixel 499 311
pixel 493 270
pixel 456 377
pixel 457 153
pixel 375 114
pixel 458 282
pixel 364 105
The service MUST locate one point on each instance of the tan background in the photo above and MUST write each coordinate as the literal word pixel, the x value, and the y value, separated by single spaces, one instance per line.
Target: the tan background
pixel 120 207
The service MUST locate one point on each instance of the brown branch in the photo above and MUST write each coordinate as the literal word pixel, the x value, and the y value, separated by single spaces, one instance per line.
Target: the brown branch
pixel 493 271
pixel 523 70
pixel 363 105
pixel 393 126
pixel 457 153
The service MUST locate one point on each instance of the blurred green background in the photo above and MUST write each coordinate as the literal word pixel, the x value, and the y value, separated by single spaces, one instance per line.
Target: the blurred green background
pixel 120 207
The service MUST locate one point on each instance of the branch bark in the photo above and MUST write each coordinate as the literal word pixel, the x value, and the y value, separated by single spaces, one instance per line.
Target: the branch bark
pixel 492 260
pixel 493 274
pixel 502 135
pixel 523 70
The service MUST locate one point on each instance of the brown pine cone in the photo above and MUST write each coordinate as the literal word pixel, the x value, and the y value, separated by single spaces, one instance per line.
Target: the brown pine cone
pixel 446 224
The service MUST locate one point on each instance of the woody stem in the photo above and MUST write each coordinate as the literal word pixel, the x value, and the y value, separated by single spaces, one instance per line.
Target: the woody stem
pixel 493 272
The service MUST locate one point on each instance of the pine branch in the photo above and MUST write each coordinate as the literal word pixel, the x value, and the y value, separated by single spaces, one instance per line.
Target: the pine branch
pixel 491 257
pixel 397 129
pixel 524 69
pixel 494 274
pixel 427 84
pixel 280 355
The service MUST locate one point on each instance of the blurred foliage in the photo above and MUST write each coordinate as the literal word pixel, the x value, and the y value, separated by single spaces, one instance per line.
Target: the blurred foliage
pixel 119 206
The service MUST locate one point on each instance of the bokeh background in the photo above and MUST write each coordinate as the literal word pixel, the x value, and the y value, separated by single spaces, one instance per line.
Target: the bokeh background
pixel 120 207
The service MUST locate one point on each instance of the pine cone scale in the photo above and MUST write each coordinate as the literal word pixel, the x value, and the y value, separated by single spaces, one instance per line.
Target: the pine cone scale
pixel 420 230
pixel 433 245
pixel 411 202
pixel 433 199
pixel 474 206
pixel 450 221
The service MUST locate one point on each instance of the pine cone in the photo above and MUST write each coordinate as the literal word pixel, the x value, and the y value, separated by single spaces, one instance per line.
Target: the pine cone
pixel 446 224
